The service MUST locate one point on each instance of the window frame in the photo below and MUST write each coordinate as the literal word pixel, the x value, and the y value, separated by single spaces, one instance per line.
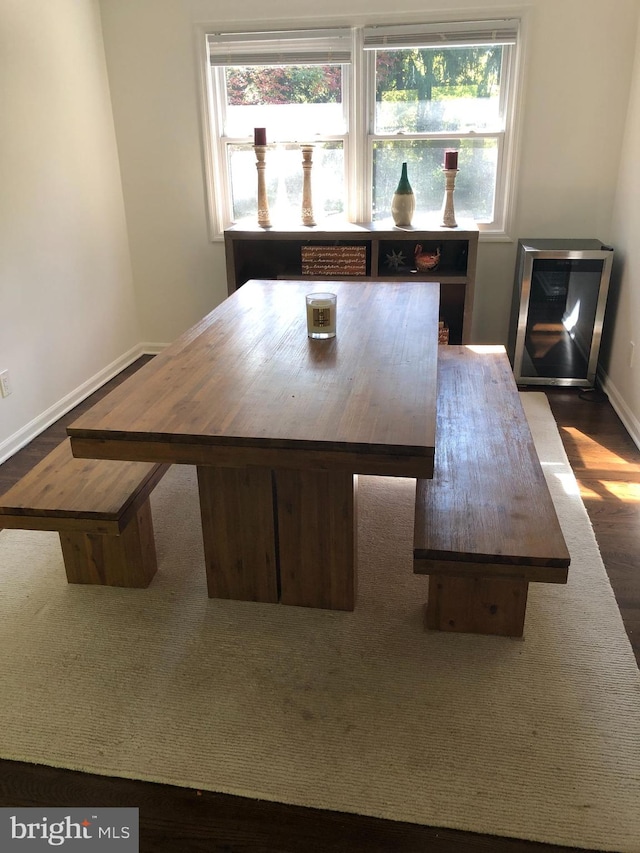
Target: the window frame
pixel 359 106
pixel 223 143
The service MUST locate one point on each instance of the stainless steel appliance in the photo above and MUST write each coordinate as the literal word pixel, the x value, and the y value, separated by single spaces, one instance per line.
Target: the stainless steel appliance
pixel 559 300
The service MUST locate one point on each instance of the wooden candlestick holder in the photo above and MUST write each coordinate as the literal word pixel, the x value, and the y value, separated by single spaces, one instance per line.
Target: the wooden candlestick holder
pixel 307 202
pixel 448 213
pixel 263 202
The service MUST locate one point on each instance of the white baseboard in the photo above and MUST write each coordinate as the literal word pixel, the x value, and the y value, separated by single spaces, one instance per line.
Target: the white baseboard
pixel 631 423
pixel 151 348
pixel 27 433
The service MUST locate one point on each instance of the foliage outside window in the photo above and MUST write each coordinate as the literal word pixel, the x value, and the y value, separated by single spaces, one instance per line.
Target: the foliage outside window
pixel 424 90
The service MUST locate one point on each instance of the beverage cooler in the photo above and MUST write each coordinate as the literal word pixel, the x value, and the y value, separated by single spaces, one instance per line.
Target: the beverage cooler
pixel 559 300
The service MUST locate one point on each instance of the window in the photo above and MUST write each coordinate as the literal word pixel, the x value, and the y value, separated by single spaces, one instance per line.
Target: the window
pixel 294 84
pixel 419 91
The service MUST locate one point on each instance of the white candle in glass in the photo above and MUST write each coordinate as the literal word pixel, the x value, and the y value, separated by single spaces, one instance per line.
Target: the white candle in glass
pixel 321 315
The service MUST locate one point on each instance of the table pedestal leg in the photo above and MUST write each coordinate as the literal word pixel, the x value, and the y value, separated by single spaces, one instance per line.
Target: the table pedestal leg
pixel 237 509
pixel 316 538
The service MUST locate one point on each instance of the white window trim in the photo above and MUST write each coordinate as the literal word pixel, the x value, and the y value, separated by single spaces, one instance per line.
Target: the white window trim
pixel 358 157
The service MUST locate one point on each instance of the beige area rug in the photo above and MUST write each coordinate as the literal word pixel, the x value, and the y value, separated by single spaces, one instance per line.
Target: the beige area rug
pixel 358 712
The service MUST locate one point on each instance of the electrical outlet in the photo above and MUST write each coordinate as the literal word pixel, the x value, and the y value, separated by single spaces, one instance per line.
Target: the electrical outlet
pixel 5 384
pixel 632 348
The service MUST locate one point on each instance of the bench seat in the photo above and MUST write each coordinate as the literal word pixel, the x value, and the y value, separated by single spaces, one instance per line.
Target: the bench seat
pixel 99 508
pixel 485 525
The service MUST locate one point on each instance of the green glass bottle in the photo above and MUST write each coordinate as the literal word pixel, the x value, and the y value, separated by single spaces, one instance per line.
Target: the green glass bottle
pixel 403 203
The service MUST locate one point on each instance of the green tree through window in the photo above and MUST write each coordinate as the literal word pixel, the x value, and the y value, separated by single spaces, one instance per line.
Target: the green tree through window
pixel 282 84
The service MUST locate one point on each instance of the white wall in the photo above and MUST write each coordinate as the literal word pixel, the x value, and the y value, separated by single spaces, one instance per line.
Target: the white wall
pixel 179 274
pixel 623 381
pixel 67 307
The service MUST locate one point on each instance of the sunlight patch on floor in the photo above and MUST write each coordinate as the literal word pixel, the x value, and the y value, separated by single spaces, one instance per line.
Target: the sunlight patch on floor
pixel 588 494
pixel 595 455
pixel 627 492
pixel 569 483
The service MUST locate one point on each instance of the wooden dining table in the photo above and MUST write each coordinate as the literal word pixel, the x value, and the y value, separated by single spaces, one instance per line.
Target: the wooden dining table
pixel 279 425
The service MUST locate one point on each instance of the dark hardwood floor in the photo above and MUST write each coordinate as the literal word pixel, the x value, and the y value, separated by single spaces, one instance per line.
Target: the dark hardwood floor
pixel 607 465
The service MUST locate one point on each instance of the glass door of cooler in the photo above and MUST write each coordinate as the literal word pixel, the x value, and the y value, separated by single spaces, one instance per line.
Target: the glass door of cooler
pixel 560 296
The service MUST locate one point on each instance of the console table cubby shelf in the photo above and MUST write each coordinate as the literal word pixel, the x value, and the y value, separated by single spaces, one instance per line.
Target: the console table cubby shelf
pixel 386 253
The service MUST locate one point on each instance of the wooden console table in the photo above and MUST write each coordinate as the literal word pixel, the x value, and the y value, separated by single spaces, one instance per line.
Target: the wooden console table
pixel 388 255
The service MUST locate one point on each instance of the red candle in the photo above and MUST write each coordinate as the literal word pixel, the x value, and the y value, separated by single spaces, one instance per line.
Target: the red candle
pixel 259 135
pixel 451 159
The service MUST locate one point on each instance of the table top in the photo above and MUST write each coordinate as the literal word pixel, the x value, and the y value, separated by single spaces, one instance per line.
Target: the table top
pixel 246 386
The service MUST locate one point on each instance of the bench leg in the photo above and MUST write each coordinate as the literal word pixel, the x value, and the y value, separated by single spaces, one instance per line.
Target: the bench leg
pixel 477 605
pixel 317 538
pixel 127 560
pixel 236 506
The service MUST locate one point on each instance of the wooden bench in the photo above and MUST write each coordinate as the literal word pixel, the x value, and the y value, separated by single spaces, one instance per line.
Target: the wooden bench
pixel 485 525
pixel 99 508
